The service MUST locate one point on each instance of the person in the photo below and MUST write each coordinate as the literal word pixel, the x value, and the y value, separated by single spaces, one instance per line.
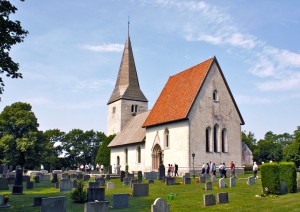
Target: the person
pixel 176 170
pixel 172 170
pixel 203 168
pixel 169 170
pixel 126 168
pixel 101 169
pixel 207 168
pixel 115 168
pixel 42 167
pixel 213 169
pixel 220 170
pixel 224 170
pixel 98 167
pixel 232 168
pixel 255 169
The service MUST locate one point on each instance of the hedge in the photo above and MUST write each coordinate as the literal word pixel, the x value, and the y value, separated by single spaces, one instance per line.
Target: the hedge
pixel 288 175
pixel 270 177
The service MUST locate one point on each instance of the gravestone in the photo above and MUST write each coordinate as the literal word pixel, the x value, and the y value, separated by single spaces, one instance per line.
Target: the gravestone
pixel 222 197
pixel 251 180
pixel 1 199
pixel 232 182
pixel 130 176
pixel 102 206
pixel 213 178
pixel 10 168
pixel 65 185
pixel 37 201
pixel 44 177
pixel 36 179
pixel 133 181
pixel 140 189
pixel 170 180
pixel 160 205
pixel 140 176
pixel 86 177
pixel 57 204
pixel 107 177
pixel 95 194
pixel 207 176
pixel 101 181
pixel 18 186
pixel 283 188
pixel 74 182
pixel 186 175
pixel 110 169
pixel 126 181
pixel 208 186
pixel 57 185
pixel 29 185
pixel 54 178
pixel 4 183
pixel 162 172
pixel 120 201
pixel 64 176
pixel 94 185
pixel 202 179
pixel 222 183
pixel 209 199
pixel 122 176
pixel 151 175
pixel 187 180
pixel 151 181
pixel 110 186
pixel 26 178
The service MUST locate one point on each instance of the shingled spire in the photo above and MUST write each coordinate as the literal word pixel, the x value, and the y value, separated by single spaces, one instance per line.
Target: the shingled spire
pixel 127 85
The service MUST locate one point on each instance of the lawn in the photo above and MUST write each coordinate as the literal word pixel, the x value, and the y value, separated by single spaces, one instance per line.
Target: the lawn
pixel 188 197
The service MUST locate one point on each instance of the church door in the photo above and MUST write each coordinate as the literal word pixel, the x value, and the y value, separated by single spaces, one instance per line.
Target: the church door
pixel 156 157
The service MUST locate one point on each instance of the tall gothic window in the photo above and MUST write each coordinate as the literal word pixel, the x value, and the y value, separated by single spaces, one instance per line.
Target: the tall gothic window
pixel 138 154
pixel 216 136
pixel 207 135
pixel 167 139
pixel 126 155
pixel 224 140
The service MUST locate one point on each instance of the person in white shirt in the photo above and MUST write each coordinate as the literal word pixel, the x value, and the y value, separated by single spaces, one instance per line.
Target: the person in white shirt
pixel 255 169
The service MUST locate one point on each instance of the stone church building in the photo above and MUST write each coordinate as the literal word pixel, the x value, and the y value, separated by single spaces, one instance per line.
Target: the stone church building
pixel 195 113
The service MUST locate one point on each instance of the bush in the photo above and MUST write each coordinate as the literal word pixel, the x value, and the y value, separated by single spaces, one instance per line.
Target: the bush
pixel 270 178
pixel 288 175
pixel 79 193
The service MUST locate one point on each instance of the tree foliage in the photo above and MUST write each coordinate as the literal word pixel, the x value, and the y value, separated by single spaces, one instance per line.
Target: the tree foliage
pixel 11 33
pixel 249 139
pixel 103 155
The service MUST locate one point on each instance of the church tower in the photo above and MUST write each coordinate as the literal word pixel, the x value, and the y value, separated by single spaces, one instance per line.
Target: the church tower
pixel 127 99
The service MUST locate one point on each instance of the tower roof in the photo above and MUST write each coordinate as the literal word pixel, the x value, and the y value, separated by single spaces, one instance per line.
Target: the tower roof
pixel 127 84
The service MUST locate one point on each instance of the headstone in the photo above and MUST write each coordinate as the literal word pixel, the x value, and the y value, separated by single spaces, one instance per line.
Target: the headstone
pixel 151 181
pixel 213 178
pixel 64 176
pixel 110 186
pixel 120 200
pixel 283 188
pixel 94 185
pixel 130 176
pixel 95 194
pixel 36 179
pixel 1 199
pixel 18 186
pixel 4 183
pixel 208 186
pixel 101 181
pixel 110 169
pixel 162 172
pixel 37 201
pixel 54 178
pixel 222 183
pixel 57 204
pixel 45 177
pixel 86 177
pixel 65 185
pixel 202 179
pixel 187 180
pixel 140 189
pixel 151 175
pixel 122 176
pixel 126 181
pixel 222 198
pixel 140 176
pixel 186 175
pixel 133 181
pixel 209 199
pixel 102 206
pixel 207 176
pixel 57 185
pixel 74 181
pixel 29 185
pixel 232 182
pixel 251 180
pixel 160 205
pixel 107 177
pixel 170 180
pixel 10 168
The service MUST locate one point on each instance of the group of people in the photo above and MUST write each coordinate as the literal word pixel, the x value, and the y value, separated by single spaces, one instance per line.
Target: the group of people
pixel 172 170
pixel 210 168
pixel 89 167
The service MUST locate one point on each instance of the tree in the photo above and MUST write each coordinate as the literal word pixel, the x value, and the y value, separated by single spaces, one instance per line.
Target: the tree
pixel 21 143
pixel 249 139
pixel 103 154
pixel 11 33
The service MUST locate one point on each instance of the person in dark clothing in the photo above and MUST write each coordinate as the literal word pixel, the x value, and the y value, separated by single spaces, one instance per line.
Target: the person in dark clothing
pixel 176 170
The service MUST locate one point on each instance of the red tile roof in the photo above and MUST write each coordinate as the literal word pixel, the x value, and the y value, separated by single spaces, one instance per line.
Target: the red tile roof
pixel 178 95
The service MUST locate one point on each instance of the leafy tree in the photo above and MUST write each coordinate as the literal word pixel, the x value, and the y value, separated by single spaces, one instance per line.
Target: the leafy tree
pixel 11 33
pixel 249 139
pixel 92 142
pixel 103 155
pixel 21 143
pixel 292 151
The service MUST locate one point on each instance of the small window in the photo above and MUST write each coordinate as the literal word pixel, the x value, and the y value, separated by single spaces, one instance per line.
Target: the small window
pixel 216 136
pixel 114 109
pixel 134 108
pixel 215 96
pixel 208 132
pixel 224 141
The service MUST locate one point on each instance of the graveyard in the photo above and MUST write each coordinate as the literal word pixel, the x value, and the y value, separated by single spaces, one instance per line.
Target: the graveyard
pixel 133 193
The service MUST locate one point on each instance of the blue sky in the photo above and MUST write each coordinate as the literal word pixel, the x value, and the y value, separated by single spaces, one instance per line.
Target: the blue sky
pixel 72 54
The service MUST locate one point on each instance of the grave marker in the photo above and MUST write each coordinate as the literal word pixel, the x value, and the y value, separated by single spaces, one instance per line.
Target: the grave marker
pixel 251 180
pixel 120 200
pixel 57 204
pixel 102 206
pixel 140 189
pixel 222 198
pixel 222 183
pixel 209 199
pixel 95 194
pixel 160 205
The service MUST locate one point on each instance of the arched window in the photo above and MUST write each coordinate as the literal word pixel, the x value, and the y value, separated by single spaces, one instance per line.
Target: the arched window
pixel 138 149
pixel 224 140
pixel 215 96
pixel 208 138
pixel 167 139
pixel 126 155
pixel 216 136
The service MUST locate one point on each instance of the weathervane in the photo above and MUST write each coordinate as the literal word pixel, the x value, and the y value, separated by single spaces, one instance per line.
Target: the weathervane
pixel 128 24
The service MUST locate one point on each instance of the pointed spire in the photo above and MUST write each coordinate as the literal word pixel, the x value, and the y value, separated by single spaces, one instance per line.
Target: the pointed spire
pixel 127 84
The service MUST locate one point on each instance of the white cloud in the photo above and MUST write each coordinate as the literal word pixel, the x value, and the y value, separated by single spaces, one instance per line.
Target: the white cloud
pixel 90 85
pixel 286 83
pixel 241 99
pixel 112 47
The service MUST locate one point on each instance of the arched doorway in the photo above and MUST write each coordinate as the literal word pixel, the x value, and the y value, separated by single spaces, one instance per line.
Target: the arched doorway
pixel 157 157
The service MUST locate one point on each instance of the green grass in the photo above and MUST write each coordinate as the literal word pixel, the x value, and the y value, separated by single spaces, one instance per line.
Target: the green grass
pixel 188 197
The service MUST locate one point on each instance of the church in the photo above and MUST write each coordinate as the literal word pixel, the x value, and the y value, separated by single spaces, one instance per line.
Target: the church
pixel 194 120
